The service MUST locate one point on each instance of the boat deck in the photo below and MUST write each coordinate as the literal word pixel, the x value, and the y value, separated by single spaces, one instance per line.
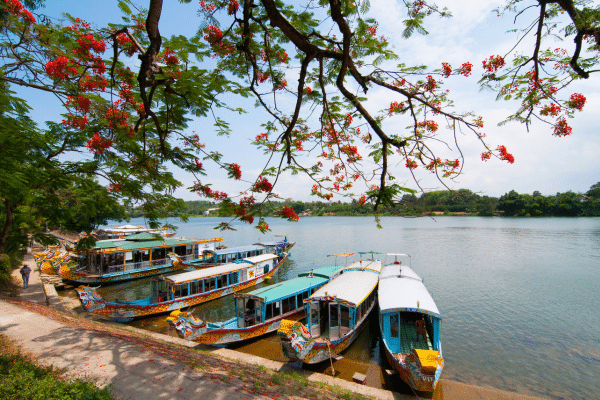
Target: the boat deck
pixel 409 341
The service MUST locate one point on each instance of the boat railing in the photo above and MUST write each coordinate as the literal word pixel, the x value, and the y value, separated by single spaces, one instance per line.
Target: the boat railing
pixel 138 265
pixel 187 258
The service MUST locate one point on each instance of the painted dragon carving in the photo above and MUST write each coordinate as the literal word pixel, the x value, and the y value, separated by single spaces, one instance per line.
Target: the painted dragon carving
pixel 187 326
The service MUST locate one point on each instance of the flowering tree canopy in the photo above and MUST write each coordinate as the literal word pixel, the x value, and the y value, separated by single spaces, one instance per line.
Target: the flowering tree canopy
pixel 310 67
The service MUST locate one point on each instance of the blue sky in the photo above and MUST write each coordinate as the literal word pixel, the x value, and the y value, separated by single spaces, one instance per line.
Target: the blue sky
pixel 542 162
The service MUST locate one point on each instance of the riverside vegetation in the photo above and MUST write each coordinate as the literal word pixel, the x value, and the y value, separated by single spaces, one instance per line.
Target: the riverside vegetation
pixel 462 201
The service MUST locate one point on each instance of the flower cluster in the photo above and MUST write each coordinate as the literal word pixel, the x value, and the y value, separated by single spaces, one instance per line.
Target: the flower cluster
pixel 206 191
pixel 234 171
pixel 446 69
pixel 232 7
pixel 411 164
pixel 61 68
pixel 493 64
pixel 288 213
pixel 431 84
pixel 430 125
pixel 125 43
pixel 576 101
pixel 395 107
pixel 562 128
pixel 15 7
pixel 504 155
pixel 466 68
pixel 97 144
pixel 552 109
pixel 262 185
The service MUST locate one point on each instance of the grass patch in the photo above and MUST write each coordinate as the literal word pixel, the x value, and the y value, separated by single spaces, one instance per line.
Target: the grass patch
pixel 21 377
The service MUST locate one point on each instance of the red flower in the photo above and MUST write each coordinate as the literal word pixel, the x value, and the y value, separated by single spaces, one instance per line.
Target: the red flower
pixel 411 164
pixel 232 7
pixel 288 213
pixel 562 128
pixel 61 68
pixel 446 69
pixel 431 84
pixel 465 69
pixel 486 155
pixel 504 155
pixel 97 144
pixel 262 185
pixel 395 107
pixel 493 64
pixel 235 172
pixel 576 101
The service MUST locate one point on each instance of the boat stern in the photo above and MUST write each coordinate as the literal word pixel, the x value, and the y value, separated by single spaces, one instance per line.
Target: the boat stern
pixel 422 369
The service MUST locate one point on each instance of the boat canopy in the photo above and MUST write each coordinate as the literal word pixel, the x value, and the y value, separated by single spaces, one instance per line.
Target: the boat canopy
pixel 206 273
pixel 371 265
pixel 281 243
pixel 351 286
pixel 286 288
pixel 327 272
pixel 259 258
pixel 401 289
pixel 232 250
pixel 218 270
pixel 131 245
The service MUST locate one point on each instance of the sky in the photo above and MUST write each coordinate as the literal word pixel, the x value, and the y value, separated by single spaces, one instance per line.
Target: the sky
pixel 543 162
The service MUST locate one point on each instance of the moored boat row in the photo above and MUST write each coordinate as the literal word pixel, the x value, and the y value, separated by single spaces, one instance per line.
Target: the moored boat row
pixel 186 289
pixel 316 315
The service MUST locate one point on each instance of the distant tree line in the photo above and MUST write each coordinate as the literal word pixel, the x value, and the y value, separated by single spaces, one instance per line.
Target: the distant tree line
pixel 450 202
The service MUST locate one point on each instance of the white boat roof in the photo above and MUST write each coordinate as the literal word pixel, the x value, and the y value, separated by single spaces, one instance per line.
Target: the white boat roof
pixel 218 270
pixel 260 258
pixel 400 288
pixel 352 286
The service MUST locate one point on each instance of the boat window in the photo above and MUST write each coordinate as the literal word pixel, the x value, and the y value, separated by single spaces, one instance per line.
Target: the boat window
pixel 233 278
pixel 209 284
pixel 285 305
pixel 276 309
pixel 266 270
pixel 196 287
pixel 269 311
pixel 221 281
pixel 180 290
pixel 394 325
pixel 358 313
pixel 299 298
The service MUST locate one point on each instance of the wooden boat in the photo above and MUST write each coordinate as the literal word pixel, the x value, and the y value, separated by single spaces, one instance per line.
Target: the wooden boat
pixel 411 326
pixel 336 314
pixel 257 313
pixel 184 290
pixel 133 257
pixel 215 257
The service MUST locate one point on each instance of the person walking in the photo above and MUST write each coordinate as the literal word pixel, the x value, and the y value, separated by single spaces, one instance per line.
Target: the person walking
pixel 25 271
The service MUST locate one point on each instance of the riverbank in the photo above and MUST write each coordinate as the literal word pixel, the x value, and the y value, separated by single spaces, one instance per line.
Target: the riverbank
pixel 134 363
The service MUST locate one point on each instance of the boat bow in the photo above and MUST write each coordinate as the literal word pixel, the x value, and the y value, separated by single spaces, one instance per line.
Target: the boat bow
pixel 187 326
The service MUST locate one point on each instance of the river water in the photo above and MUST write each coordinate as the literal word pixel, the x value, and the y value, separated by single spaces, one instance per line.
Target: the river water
pixel 519 298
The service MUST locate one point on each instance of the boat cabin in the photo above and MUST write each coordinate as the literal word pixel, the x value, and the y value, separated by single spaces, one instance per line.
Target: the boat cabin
pixel 409 318
pixel 211 279
pixel 280 300
pixel 228 255
pixel 140 251
pixel 341 305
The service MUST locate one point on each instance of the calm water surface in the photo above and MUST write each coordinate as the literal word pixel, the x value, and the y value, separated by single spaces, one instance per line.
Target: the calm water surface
pixel 519 297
